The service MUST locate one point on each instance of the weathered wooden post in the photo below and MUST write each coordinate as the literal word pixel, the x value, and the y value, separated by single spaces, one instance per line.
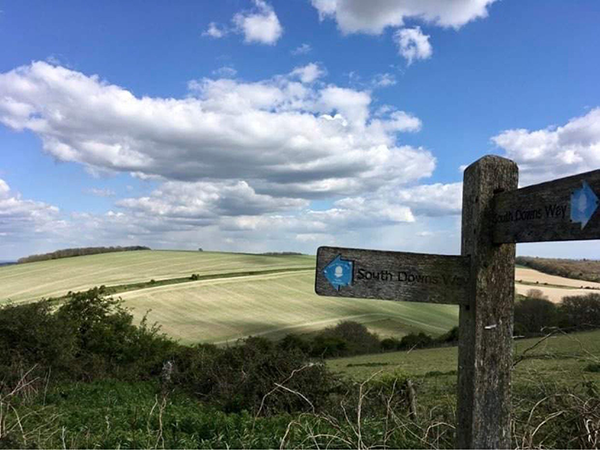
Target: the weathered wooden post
pixel 496 215
pixel 486 322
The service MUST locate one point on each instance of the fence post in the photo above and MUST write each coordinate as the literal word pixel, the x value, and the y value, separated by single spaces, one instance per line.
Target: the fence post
pixel 486 323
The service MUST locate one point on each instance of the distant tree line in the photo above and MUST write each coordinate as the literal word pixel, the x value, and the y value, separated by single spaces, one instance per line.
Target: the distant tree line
pixel 69 252
pixel 579 269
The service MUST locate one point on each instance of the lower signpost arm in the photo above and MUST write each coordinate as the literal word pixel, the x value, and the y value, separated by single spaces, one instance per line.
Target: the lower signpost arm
pixel 486 322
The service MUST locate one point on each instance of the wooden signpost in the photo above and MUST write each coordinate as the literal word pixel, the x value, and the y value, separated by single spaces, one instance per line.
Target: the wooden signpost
pixel 495 216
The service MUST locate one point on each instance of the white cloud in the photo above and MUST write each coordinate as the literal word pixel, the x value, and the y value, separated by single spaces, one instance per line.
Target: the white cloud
pixel 309 73
pixel 554 152
pixel 374 16
pixel 206 200
pixel 382 80
pixel 20 217
pixel 230 160
pixel 260 25
pixel 413 44
pixel 215 31
pixel 302 49
pixel 282 137
pixel 432 199
pixel 225 72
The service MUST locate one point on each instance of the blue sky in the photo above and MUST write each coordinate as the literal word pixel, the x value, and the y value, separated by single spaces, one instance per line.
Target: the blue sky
pixel 283 125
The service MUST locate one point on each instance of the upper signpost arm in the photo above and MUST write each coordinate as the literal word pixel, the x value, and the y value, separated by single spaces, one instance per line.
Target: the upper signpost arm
pixel 560 210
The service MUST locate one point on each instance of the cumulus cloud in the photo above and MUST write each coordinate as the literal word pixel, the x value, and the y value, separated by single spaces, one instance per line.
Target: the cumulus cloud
pixel 215 31
pixel 302 49
pixel 433 200
pixel 382 80
pixel 234 163
pixel 225 72
pixel 21 217
pixel 208 200
pixel 309 73
pixel 556 151
pixel 374 16
pixel 413 44
pixel 260 25
pixel 281 136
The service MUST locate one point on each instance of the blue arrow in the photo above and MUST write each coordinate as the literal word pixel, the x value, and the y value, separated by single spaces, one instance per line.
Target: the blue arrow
pixel 339 272
pixel 584 203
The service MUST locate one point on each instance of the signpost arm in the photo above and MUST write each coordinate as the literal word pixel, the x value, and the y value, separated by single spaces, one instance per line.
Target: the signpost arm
pixel 486 323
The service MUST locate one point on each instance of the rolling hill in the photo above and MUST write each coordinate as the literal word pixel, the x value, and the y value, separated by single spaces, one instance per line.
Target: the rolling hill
pixel 238 294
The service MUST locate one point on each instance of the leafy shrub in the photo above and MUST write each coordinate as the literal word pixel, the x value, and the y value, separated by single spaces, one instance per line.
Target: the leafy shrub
pixel 255 375
pixel 413 340
pixel 451 337
pixel 390 344
pixel 533 314
pixel 90 336
pixel 30 335
pixel 580 312
pixel 345 339
pixel 293 342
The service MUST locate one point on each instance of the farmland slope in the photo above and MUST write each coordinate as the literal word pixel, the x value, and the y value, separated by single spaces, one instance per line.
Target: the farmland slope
pixel 274 305
pixel 55 278
pixel 224 309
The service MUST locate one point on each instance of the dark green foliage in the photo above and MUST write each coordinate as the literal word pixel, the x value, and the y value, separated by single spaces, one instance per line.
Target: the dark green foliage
pixel 390 344
pixel 345 339
pixel 592 367
pixel 30 335
pixel 294 342
pixel 534 315
pixel 414 340
pixel 245 377
pixel 195 277
pixel 89 337
pixel 580 312
pixel 449 338
pixel 69 252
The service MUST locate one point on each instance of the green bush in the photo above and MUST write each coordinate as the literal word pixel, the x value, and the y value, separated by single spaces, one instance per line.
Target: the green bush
pixel 533 314
pixel 90 336
pixel 580 312
pixel 345 339
pixel 255 375
pixel 413 340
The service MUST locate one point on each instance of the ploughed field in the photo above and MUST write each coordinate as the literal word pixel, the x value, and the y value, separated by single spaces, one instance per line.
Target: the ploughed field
pixel 238 295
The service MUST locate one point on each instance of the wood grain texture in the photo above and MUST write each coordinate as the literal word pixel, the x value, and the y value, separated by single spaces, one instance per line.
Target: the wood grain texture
pixel 412 277
pixel 543 212
pixel 486 324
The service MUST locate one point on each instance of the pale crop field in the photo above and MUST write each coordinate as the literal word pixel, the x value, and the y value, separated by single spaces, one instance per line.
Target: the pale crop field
pixel 223 310
pixel 552 286
pixel 32 281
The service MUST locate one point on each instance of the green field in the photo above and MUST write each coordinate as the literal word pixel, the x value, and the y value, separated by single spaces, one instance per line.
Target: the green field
pixel 31 281
pixel 561 357
pixel 274 305
pixel 230 305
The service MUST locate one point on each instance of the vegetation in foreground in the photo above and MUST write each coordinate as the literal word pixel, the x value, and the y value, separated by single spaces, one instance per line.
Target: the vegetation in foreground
pixel 83 375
